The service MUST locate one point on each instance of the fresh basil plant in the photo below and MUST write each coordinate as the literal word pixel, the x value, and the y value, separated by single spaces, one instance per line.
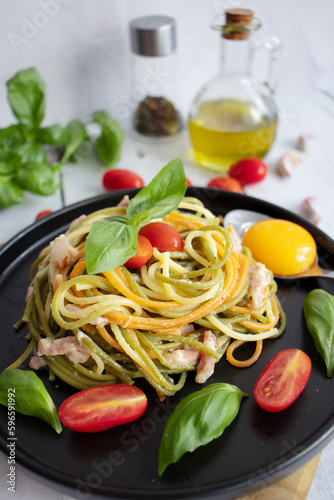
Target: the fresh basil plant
pixel 111 242
pixel 198 419
pixel 24 163
pixel 319 317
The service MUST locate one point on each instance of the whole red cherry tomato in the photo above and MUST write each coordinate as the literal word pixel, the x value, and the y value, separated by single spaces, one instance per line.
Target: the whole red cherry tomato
pixel 163 237
pixel 143 255
pixel 226 183
pixel 248 171
pixel 116 179
pixel 42 214
pixel 282 380
pixel 102 407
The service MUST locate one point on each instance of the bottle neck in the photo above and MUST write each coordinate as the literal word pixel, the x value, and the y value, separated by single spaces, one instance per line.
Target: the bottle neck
pixel 235 56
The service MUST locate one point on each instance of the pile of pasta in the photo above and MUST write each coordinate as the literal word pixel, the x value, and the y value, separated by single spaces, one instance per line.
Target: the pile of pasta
pixel 131 321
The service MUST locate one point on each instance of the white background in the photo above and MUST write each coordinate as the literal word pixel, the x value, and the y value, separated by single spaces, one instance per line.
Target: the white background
pixel 81 48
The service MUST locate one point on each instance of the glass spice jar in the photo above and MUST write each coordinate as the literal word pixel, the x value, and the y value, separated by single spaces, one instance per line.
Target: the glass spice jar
pixel 155 116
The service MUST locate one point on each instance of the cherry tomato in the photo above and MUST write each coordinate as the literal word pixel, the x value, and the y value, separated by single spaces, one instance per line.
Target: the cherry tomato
pixel 143 254
pixel 163 237
pixel 226 183
pixel 282 380
pixel 188 182
pixel 102 407
pixel 248 171
pixel 116 179
pixel 42 214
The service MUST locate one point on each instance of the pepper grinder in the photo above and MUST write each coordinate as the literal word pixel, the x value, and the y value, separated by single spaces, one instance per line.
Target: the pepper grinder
pixel 155 116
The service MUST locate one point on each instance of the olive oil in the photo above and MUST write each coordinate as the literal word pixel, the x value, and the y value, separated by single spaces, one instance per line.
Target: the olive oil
pixel 226 130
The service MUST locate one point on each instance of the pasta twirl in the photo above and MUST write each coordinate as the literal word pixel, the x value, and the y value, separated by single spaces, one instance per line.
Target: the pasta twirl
pixel 158 322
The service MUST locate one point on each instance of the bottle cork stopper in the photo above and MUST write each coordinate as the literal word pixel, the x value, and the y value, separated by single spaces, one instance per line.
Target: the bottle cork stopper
pixel 238 23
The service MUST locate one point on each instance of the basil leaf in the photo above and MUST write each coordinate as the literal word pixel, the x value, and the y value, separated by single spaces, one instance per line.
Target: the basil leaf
pixel 39 178
pixel 108 145
pixel 30 151
pixel 10 192
pixel 77 135
pixel 109 245
pixel 26 97
pixel 55 135
pixel 30 395
pixel 319 317
pixel 162 195
pixel 198 419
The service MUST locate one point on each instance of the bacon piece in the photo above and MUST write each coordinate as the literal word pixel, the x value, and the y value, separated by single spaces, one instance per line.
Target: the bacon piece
pixel 125 201
pixel 206 366
pixel 236 242
pixel 63 254
pixel 307 211
pixel 260 278
pixel 287 163
pixel 66 345
pixel 183 357
pixel 36 362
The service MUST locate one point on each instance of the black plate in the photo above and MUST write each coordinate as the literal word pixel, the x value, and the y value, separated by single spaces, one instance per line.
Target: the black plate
pixel 257 448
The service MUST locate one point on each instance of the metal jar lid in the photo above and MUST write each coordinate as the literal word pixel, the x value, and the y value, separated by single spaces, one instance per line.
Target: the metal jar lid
pixel 153 35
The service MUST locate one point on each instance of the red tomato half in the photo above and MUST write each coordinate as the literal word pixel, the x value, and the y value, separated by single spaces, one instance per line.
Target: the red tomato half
pixel 42 214
pixel 282 380
pixel 163 237
pixel 143 254
pixel 248 171
pixel 102 407
pixel 226 183
pixel 116 179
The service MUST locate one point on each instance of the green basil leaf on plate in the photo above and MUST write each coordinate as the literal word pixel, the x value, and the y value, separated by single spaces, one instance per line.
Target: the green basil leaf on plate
pixel 109 245
pixel 319 317
pixel 200 417
pixel 30 396
pixel 162 195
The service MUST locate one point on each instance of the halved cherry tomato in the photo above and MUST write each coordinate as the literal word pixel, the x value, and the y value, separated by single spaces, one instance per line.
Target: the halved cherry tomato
pixel 282 380
pixel 226 183
pixel 143 254
pixel 116 179
pixel 102 407
pixel 248 171
pixel 163 237
pixel 42 214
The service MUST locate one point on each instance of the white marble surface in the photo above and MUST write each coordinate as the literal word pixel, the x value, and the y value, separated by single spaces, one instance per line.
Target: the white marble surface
pixel 82 51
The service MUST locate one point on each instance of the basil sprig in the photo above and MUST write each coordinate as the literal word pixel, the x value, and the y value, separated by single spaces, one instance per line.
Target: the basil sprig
pixel 29 396
pixel 319 317
pixel 24 162
pixel 111 242
pixel 198 419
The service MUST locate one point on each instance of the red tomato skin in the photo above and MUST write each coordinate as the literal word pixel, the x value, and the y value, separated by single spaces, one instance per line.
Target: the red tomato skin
pixel 248 171
pixel 188 182
pixel 163 237
pixel 42 214
pixel 116 179
pixel 283 380
pixel 143 255
pixel 226 183
pixel 102 407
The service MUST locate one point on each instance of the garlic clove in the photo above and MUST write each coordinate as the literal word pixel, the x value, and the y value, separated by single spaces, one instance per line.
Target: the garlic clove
pixel 287 163
pixel 307 211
